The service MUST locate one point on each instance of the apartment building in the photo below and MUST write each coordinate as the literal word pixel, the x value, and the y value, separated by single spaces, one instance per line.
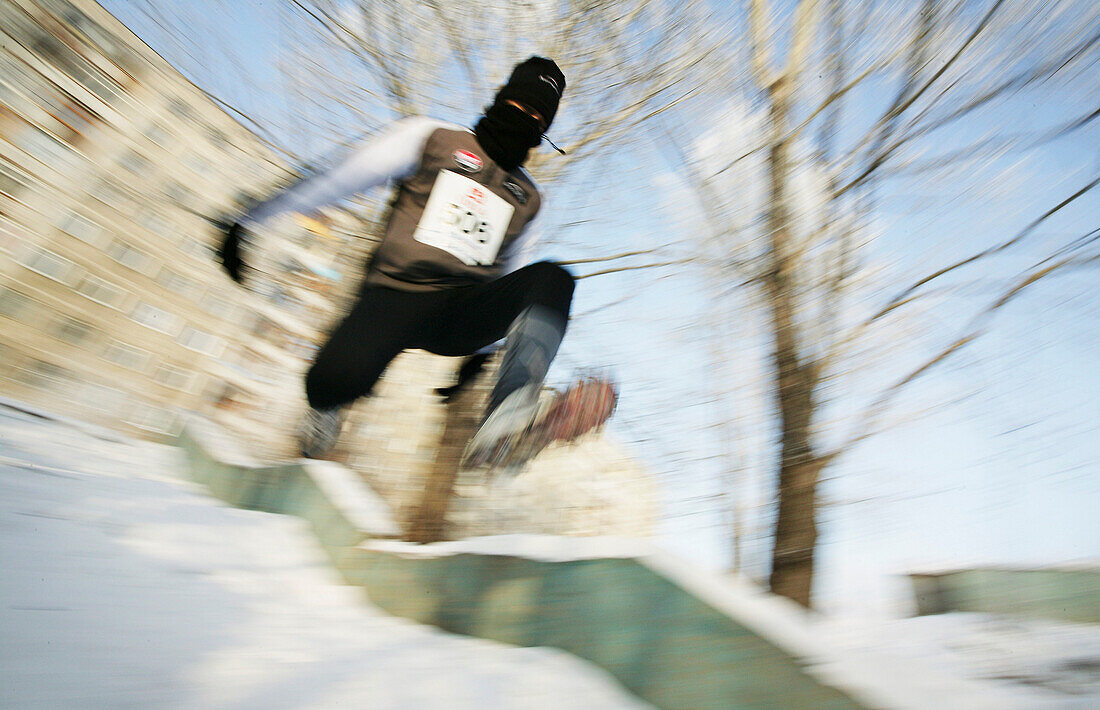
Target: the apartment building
pixel 112 307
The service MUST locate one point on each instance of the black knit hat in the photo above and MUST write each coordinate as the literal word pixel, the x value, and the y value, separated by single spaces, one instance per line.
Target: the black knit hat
pixel 537 83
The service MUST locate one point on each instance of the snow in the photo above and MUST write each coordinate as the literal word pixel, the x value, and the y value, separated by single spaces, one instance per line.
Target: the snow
pixel 974 661
pixel 544 548
pixel 124 585
pixel 347 492
pixel 964 661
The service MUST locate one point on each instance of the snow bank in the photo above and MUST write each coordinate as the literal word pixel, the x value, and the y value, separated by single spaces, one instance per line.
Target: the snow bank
pixel 123 586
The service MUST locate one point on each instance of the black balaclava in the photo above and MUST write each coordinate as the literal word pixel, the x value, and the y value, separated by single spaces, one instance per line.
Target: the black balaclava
pixel 507 133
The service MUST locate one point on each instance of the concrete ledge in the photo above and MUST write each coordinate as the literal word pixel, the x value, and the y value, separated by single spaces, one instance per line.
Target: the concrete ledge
pixel 673 636
pixel 99 432
pixel 339 506
pixel 1060 593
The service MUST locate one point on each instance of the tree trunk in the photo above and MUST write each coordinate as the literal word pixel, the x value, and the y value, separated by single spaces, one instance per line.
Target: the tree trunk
pixel 428 523
pixel 799 468
pixel 796 528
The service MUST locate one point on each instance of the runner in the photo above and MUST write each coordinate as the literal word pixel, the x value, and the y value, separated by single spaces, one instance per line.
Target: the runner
pixel 453 274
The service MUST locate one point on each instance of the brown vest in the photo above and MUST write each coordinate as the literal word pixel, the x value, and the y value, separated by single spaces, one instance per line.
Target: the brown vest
pixel 452 159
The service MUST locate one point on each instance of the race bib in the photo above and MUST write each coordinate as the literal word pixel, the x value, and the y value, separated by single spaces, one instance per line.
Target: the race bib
pixel 463 218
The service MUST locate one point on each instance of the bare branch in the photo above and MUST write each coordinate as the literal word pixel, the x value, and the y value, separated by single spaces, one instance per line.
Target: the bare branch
pixel 617 302
pixel 834 97
pixel 903 297
pixel 758 33
pixel 907 97
pixel 802 36
pixel 866 427
pixel 460 49
pixel 634 268
pixel 1014 83
pixel 595 259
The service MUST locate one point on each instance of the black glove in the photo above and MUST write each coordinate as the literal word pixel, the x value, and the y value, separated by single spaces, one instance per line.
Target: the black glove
pixel 229 253
pixel 469 370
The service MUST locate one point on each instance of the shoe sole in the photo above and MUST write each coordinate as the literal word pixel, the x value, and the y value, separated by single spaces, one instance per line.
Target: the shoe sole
pixel 583 407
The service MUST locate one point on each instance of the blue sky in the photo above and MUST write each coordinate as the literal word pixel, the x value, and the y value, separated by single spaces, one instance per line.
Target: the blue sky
pixel 1009 475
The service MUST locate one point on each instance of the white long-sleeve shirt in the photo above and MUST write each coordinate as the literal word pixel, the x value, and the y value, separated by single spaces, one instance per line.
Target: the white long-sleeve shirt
pixel 395 154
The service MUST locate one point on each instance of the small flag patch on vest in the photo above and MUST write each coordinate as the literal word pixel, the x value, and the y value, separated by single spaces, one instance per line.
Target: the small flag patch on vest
pixel 467 161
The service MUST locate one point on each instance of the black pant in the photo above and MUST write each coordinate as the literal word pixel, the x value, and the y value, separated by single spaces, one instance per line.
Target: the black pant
pixel 457 321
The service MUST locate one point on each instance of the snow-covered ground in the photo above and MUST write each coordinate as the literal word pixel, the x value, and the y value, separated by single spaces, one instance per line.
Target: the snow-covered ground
pixel 123 585
pixel 974 661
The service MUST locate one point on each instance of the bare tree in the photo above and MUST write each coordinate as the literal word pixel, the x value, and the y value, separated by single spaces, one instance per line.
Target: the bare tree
pixel 361 64
pixel 806 256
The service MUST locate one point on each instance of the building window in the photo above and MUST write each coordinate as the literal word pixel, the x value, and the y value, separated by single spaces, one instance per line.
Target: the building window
pixel 193 247
pixel 76 225
pixel 179 284
pixel 12 180
pixel 178 107
pixel 100 291
pixel 12 237
pixel 157 134
pixel 135 163
pixel 156 318
pixel 126 355
pixel 154 223
pixel 46 149
pixel 73 330
pixel 100 398
pixel 218 307
pixel 52 266
pixel 41 374
pixel 177 194
pixel 174 377
pixel 201 342
pixel 14 304
pixel 108 191
pixel 198 164
pixel 131 257
pixel 150 418
pixel 98 37
pixel 217 138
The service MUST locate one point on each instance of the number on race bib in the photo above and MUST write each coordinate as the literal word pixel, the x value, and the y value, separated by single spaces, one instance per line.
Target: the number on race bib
pixel 464 219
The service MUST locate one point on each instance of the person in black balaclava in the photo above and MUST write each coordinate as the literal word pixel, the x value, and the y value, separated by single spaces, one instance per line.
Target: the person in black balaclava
pixel 454 273
pixel 522 111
